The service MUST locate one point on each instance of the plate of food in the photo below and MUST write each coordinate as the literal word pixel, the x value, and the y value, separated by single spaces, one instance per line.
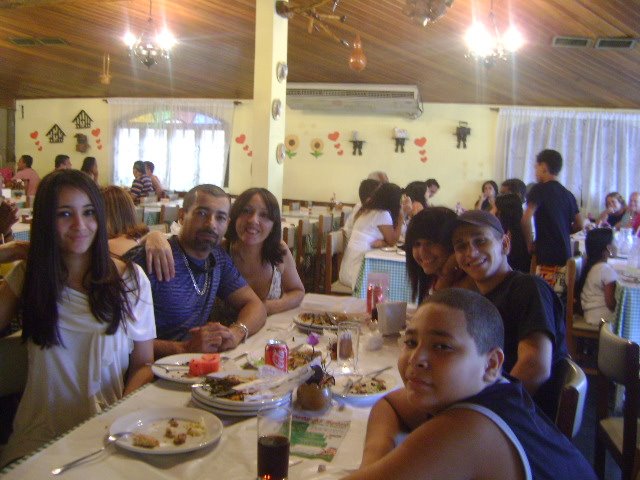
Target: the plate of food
pixel 168 430
pixel 217 390
pixel 186 367
pixel 298 356
pixel 364 389
pixel 322 320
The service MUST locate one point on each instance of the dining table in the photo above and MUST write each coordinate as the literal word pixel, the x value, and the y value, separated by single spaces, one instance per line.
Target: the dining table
pixel 234 455
pixel 389 262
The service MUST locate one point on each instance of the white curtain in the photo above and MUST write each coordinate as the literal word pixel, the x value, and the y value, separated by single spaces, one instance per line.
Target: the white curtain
pixel 601 150
pixel 188 140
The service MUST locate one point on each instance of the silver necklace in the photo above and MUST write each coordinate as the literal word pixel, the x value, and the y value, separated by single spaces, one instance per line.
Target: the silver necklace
pixel 205 288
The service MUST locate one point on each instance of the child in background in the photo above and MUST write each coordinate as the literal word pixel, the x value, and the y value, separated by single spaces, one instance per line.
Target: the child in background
pixel 597 284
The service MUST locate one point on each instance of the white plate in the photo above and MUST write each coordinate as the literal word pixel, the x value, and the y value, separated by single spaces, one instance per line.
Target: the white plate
pixel 400 251
pixel 154 422
pixel 356 317
pixel 388 249
pixel 224 411
pixel 178 374
pixel 341 381
pixel 202 394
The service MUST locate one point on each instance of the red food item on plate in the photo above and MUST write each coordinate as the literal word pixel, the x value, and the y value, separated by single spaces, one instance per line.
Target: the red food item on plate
pixel 208 363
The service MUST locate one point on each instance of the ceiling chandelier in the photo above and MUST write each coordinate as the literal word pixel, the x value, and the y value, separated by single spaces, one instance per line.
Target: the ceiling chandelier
pixel 487 47
pixel 426 11
pixel 150 45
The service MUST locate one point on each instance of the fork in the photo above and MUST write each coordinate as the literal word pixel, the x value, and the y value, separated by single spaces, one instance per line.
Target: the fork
pixel 110 440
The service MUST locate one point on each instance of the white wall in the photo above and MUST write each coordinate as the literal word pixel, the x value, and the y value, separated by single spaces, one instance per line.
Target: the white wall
pixel 460 172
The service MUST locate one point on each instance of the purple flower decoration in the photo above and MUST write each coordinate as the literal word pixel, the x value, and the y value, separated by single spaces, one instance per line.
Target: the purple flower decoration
pixel 313 339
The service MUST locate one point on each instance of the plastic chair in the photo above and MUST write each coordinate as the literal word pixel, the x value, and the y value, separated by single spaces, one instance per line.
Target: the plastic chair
pixel 572 397
pixel 579 332
pixel 333 253
pixel 618 364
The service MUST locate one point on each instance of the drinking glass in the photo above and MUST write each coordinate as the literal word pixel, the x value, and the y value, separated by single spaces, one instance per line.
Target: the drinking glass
pixel 347 347
pixel 274 437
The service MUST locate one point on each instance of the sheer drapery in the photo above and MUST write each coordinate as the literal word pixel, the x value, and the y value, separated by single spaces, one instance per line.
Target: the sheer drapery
pixel 601 150
pixel 188 140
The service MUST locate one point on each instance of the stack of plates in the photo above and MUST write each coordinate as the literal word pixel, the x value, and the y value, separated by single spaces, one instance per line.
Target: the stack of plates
pixel 201 398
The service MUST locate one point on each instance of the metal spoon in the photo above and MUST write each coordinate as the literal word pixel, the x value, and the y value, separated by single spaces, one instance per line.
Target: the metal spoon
pixel 110 440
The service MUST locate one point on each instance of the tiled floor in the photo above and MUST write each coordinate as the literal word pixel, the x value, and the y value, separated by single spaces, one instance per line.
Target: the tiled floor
pixel 586 437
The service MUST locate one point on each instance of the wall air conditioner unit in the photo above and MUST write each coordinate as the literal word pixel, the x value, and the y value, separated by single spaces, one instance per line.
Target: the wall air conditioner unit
pixel 355 98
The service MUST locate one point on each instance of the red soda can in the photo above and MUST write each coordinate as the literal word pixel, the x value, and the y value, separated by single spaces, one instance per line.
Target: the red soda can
pixel 276 354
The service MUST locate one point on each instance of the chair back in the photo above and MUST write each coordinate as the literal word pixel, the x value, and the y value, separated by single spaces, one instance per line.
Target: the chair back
pixel 139 214
pixel 618 363
pixel 13 364
pixel 572 397
pixel 289 237
pixel 334 248
pixel 574 272
pixel 169 214
pixel 160 227
pixel 303 234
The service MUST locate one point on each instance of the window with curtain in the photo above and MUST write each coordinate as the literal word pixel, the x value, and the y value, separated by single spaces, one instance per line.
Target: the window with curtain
pixel 188 143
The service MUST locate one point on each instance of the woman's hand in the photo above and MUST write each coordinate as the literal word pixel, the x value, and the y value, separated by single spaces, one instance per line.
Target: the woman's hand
pixel 13 251
pixel 159 256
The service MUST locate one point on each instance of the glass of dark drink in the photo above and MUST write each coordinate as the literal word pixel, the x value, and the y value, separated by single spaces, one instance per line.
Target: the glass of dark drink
pixel 274 435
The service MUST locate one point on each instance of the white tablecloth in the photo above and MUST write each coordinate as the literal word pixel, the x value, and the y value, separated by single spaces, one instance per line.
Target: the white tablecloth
pixel 232 458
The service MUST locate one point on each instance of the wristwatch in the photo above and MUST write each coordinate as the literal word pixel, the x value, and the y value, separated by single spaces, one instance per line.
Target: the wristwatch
pixel 244 328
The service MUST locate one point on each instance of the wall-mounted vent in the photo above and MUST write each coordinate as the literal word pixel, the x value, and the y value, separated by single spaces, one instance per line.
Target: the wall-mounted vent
pixel 623 43
pixel 52 41
pixel 23 41
pixel 571 42
pixel 35 42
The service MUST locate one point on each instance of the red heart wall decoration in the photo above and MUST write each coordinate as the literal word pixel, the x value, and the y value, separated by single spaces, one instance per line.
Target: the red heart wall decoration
pixel 334 136
pixel 99 147
pixel 245 148
pixel 336 145
pixel 423 159
pixel 34 135
pixel 340 152
pixel 420 141
pixel 95 132
pixel 422 152
pixel 40 148
pixel 241 138
pixel 38 142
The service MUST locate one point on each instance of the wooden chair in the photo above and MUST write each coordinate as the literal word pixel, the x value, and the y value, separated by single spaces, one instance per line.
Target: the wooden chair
pixel 303 261
pixel 289 237
pixel 325 225
pixel 160 227
pixel 618 364
pixel 572 397
pixel 168 214
pixel 582 337
pixel 332 260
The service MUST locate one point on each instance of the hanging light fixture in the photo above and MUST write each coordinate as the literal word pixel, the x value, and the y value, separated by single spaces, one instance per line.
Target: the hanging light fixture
pixel 150 45
pixel 426 11
pixel 357 59
pixel 488 47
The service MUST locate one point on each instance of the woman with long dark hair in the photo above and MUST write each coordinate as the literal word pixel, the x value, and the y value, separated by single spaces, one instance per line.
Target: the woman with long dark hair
pixel 254 241
pixel 487 198
pixel 377 224
pixel 90 167
pixel 87 319
pixel 509 212
pixel 431 264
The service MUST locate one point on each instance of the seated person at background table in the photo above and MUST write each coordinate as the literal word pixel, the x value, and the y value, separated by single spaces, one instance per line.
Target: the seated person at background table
pixel 8 216
pixel 464 419
pixel 487 198
pixel 616 208
pixel 377 224
pixel 432 188
pixel 87 318
pixel 28 174
pixel 379 175
pixel 155 181
pixel 366 189
pixel 597 286
pixel 254 242
pixel 516 186
pixel 203 270
pixel 632 214
pixel 414 199
pixel 509 212
pixel 62 162
pixel 141 186
pixel 90 167
pixel 123 230
pixel 533 315
pixel 431 264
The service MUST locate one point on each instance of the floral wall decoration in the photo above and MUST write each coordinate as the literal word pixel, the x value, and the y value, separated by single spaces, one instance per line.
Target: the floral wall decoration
pixel 421 142
pixel 240 140
pixel 334 136
pixel 317 147
pixel 96 134
pixel 291 143
pixel 55 134
pixel 34 136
